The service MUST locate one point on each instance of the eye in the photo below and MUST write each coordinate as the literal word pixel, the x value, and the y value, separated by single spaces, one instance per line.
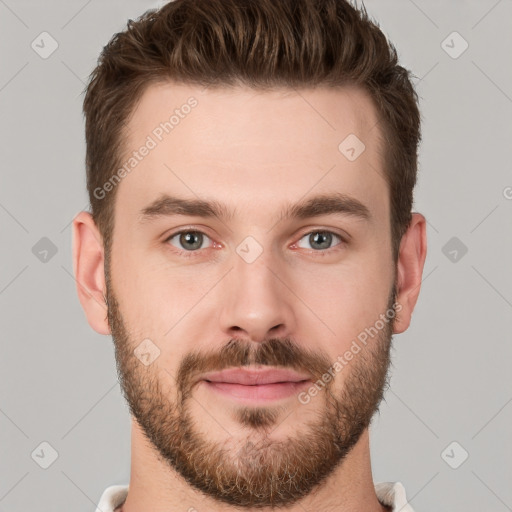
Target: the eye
pixel 320 240
pixel 187 240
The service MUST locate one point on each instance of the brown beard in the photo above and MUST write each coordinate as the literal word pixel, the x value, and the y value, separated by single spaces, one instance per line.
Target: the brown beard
pixel 256 471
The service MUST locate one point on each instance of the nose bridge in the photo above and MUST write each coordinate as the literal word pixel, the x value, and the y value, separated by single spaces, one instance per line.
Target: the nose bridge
pixel 255 299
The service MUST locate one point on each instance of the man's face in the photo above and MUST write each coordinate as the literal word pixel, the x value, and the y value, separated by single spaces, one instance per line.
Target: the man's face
pixel 254 289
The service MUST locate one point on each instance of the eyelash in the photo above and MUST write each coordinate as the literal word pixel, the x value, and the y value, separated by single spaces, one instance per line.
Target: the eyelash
pixel 192 254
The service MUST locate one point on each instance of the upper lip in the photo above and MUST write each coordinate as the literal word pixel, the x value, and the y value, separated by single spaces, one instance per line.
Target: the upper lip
pixel 253 376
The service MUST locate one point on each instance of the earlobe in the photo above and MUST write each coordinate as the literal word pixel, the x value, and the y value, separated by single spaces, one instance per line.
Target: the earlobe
pixel 411 260
pixel 88 267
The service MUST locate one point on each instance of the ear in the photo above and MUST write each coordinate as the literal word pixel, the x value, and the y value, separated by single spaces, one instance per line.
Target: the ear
pixel 88 266
pixel 411 259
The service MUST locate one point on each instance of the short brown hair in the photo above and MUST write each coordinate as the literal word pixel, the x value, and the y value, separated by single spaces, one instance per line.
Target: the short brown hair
pixel 262 44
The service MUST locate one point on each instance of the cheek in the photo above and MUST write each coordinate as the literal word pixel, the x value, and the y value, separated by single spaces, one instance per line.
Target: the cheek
pixel 154 295
pixel 142 292
pixel 345 299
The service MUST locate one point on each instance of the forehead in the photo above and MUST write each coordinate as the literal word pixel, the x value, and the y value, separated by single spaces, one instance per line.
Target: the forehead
pixel 244 147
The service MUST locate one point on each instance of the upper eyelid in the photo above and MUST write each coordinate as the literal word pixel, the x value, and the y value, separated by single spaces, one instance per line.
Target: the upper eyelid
pixel 185 230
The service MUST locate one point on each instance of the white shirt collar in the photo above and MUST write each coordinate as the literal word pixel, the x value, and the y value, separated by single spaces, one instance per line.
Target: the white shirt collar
pixel 388 493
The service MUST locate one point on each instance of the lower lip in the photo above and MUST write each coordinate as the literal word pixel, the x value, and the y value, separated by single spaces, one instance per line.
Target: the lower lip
pixel 260 392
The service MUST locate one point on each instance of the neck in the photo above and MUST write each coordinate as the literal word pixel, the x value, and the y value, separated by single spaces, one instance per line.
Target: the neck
pixel 156 487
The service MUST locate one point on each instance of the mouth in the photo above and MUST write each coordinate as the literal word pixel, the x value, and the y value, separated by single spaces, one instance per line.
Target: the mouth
pixel 249 384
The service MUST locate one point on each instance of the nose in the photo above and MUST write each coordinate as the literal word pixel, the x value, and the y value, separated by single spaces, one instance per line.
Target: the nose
pixel 256 302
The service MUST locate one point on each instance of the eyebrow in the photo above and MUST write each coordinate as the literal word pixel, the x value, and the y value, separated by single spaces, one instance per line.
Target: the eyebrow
pixel 325 204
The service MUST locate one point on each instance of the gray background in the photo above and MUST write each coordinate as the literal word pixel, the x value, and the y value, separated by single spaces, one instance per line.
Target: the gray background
pixel 451 377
